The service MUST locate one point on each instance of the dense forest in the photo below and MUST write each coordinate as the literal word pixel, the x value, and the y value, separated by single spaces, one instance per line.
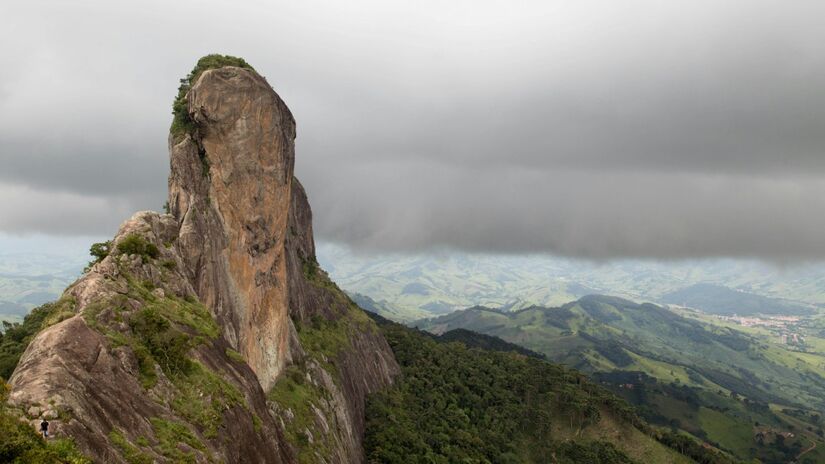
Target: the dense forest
pixel 456 403
pixel 487 342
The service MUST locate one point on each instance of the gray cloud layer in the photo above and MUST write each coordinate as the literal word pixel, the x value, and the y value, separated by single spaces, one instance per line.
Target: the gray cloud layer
pixel 592 128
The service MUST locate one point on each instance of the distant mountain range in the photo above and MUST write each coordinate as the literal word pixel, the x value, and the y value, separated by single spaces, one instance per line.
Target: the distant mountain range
pixel 413 287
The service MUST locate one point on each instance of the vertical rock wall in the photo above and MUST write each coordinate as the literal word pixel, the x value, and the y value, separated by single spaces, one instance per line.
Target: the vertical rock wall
pixel 230 190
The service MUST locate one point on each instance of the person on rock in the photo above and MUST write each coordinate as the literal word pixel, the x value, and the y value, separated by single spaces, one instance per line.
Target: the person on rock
pixel 44 428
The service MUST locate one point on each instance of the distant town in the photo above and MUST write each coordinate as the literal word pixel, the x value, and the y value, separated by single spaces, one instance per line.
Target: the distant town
pixel 787 328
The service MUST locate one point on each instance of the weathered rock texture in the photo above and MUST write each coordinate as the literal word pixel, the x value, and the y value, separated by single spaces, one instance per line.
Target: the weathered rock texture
pixel 231 274
pixel 233 220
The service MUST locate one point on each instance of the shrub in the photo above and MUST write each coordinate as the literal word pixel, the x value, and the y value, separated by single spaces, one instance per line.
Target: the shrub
pixel 131 453
pixel 597 452
pixel 170 435
pixel 167 345
pixel 134 244
pixel 203 397
pixel 302 398
pixel 235 356
pixel 161 333
pixel 182 122
pixel 99 251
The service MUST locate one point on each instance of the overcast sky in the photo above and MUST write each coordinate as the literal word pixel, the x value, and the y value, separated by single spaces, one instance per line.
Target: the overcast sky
pixel 596 129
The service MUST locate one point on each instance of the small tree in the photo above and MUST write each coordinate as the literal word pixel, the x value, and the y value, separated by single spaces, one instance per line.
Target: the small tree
pixel 99 251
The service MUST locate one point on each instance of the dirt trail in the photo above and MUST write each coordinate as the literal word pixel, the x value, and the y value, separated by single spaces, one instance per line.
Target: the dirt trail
pixel 813 446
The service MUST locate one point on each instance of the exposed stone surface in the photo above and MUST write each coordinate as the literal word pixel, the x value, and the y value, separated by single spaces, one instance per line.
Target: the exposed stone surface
pixel 76 369
pixel 239 241
pixel 233 219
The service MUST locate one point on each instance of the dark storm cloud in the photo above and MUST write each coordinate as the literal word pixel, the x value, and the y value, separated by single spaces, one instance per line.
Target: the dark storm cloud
pixel 584 213
pixel 593 128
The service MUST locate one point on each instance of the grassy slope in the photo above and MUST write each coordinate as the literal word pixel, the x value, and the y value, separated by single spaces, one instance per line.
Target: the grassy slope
pixel 162 332
pixel 631 440
pixel 298 394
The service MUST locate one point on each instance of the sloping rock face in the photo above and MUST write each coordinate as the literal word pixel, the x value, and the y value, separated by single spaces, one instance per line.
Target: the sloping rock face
pixel 105 380
pixel 210 333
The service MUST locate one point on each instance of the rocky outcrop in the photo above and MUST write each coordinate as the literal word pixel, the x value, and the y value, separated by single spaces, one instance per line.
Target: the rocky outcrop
pixel 230 191
pixel 108 383
pixel 210 333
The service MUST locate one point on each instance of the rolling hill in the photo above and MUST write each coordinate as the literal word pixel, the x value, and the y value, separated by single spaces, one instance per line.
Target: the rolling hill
pixel 718 384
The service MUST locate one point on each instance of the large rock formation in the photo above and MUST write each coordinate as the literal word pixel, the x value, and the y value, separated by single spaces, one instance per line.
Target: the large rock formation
pixel 210 333
pixel 230 191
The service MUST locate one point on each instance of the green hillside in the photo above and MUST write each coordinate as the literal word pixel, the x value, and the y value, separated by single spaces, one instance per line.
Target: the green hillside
pixel 459 404
pixel 487 342
pixel 718 384
pixel 386 310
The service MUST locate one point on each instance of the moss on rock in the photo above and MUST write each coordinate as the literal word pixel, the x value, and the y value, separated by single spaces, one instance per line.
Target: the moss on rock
pixel 171 435
pixel 297 394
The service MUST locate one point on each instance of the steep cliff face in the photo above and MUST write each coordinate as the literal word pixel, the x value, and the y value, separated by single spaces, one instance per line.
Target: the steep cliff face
pixel 230 191
pixel 210 333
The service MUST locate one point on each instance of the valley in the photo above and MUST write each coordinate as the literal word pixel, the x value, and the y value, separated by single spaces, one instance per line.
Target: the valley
pixel 418 286
pixel 28 280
